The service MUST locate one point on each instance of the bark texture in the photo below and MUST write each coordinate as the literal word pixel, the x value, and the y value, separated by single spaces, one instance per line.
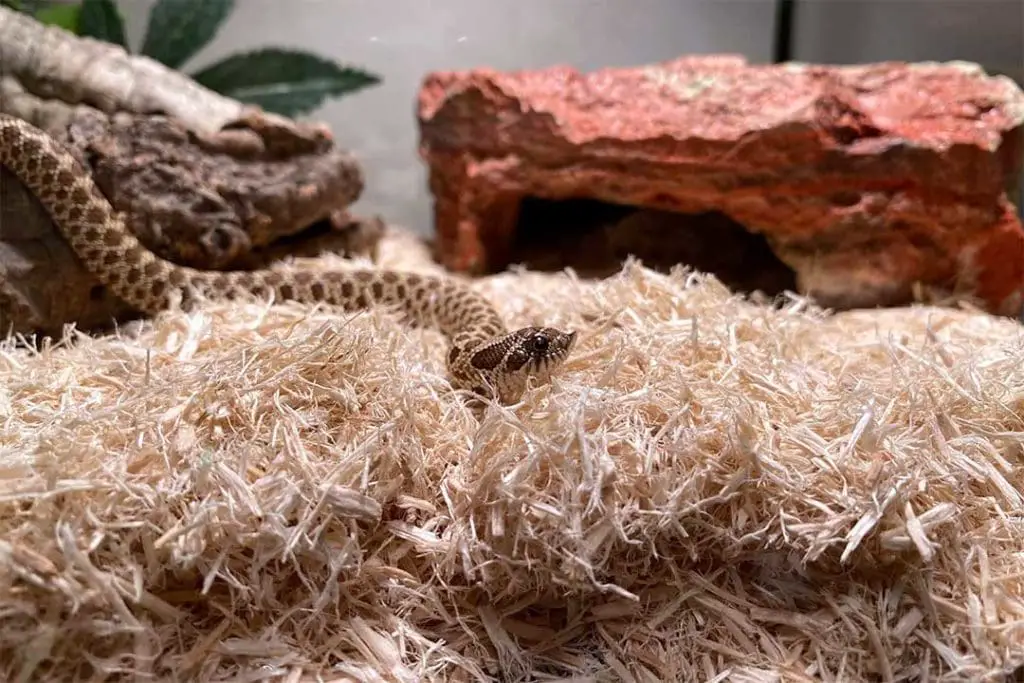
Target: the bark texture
pixel 202 179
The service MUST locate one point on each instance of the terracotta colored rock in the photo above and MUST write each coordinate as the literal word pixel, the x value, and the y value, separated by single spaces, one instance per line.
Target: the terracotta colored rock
pixel 863 179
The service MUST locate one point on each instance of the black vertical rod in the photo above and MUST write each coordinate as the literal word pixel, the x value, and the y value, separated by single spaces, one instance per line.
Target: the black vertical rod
pixel 783 47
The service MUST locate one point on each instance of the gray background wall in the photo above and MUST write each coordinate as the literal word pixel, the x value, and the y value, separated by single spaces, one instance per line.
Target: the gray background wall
pixel 402 39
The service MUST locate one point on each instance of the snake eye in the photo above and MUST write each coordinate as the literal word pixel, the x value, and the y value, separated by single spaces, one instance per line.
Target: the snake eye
pixel 539 343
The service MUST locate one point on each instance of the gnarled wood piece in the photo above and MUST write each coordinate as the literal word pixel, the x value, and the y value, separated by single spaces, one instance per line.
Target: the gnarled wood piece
pixel 206 200
pixel 219 201
pixel 55 64
pixel 216 184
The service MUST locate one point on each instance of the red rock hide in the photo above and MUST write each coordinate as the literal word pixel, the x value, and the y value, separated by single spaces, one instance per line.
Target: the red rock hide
pixel 863 179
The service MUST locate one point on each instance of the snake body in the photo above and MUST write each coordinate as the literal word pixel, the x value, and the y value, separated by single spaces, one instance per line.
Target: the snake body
pixel 484 357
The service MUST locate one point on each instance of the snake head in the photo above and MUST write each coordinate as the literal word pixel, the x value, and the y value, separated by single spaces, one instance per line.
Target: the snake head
pixel 538 351
pixel 506 364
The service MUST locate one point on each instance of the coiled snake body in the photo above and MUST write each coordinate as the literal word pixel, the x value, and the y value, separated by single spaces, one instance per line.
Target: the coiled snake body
pixel 484 357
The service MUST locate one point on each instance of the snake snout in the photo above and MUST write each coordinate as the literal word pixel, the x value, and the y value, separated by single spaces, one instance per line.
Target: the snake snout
pixel 560 344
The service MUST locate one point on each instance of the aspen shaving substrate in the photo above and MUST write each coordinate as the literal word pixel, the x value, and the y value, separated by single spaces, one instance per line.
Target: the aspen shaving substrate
pixel 712 489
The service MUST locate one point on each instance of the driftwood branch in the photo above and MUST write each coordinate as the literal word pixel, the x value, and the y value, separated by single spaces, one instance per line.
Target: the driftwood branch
pixel 202 180
pixel 55 64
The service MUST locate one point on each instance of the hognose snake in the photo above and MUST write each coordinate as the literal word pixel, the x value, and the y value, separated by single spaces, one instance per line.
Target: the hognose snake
pixel 484 357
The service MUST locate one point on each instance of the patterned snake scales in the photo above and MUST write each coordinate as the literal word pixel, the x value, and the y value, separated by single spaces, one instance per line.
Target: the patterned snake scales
pixel 484 357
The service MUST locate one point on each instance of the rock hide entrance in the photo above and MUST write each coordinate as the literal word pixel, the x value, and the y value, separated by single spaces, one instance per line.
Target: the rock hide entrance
pixel 852 184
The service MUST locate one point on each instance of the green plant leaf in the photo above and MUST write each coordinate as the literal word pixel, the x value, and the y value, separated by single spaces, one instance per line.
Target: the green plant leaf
pixel 65 16
pixel 11 4
pixel 286 82
pixel 180 28
pixel 100 19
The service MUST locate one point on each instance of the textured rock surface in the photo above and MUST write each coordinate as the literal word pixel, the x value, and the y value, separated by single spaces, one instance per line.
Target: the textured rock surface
pixel 244 197
pixel 863 179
